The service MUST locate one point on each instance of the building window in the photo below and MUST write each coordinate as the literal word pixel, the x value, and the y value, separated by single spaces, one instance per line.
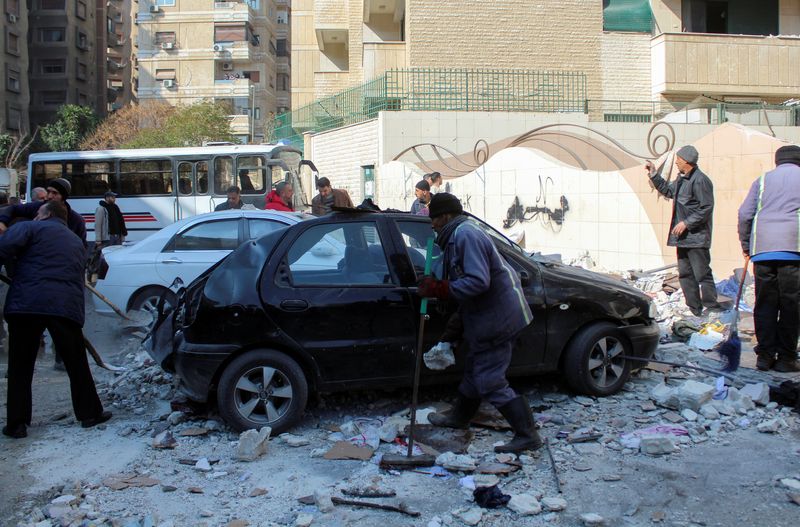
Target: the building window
pixel 165 3
pixel 737 17
pixel 283 50
pixel 52 5
pixel 12 79
pixel 13 117
pixel 283 82
pixel 283 17
pixel 52 66
pixel 230 33
pixel 164 37
pixel 52 34
pixel 81 70
pixel 53 97
pixel 109 25
pixel 257 113
pixel 81 40
pixel 12 7
pixel 80 9
pixel 82 99
pixel 12 42
pixel 627 15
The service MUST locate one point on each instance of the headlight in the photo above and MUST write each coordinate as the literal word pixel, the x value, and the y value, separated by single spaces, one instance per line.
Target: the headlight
pixel 652 310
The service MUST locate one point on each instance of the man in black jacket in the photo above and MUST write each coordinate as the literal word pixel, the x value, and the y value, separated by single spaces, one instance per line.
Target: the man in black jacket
pixel 47 293
pixel 692 195
pixel 109 223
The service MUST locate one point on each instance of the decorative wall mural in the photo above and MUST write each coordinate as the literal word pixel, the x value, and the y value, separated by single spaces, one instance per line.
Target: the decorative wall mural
pixel 549 218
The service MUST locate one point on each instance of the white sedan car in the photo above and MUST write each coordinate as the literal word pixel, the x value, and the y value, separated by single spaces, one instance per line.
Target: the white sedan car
pixel 139 274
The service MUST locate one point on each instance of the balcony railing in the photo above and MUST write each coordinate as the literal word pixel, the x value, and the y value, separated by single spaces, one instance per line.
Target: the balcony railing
pixel 690 63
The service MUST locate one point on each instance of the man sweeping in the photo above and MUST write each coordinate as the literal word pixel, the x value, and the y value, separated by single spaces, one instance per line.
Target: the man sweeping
pixel 493 310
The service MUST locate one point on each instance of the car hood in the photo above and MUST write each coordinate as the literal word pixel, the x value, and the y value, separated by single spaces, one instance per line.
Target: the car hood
pixel 579 273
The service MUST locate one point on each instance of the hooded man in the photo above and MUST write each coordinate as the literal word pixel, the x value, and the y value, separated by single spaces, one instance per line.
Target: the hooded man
pixel 280 198
pixel 58 189
pixel 692 195
pixel 109 223
pixel 493 311
pixel 47 293
pixel 769 231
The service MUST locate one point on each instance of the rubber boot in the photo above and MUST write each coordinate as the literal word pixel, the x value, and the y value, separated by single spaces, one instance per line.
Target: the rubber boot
pixel 519 416
pixel 458 416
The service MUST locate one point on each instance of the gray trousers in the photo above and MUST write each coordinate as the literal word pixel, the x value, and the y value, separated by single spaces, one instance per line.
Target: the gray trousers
pixel 694 274
pixel 485 373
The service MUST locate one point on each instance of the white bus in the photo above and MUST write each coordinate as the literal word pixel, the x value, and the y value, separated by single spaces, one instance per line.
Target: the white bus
pixel 158 186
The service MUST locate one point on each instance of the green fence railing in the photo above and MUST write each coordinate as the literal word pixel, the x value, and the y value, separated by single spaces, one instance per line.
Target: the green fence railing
pixel 436 90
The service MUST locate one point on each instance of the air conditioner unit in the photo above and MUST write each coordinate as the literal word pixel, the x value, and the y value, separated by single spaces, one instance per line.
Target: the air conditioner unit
pixel 227 66
pixel 12 18
pixel 167 45
pixel 169 83
pixel 155 9
pixel 218 48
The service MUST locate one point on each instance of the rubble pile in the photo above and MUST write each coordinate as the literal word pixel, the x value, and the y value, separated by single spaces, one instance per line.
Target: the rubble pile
pixel 142 382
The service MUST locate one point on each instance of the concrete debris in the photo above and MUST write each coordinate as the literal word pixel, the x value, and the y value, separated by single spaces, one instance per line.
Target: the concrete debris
pixel 164 440
pixel 709 412
pixel 440 356
pixel 176 418
pixel 657 445
pixel 665 396
pixel 390 429
pixel 591 519
pixel 791 484
pixel 693 394
pixel 322 499
pixel 252 444
pixel 554 504
pixel 294 440
pixel 203 465
pixel 470 516
pixel 758 392
pixel 456 462
pixel 689 415
pixel 524 504
pixel 303 520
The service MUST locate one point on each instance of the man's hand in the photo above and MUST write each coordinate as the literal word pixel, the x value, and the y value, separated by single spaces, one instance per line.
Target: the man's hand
pixel 650 167
pixel 430 287
pixel 679 229
pixel 3 228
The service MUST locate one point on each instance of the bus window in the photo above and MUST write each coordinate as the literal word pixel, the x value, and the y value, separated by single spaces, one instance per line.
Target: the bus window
pixel 44 172
pixel 223 174
pixel 252 174
pixel 90 178
pixel 185 179
pixel 202 177
pixel 145 177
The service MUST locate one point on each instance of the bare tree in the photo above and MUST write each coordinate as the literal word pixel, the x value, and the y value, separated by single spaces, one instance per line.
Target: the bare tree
pixel 125 124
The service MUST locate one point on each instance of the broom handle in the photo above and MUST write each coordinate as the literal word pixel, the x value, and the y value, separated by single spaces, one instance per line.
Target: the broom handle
pixel 735 323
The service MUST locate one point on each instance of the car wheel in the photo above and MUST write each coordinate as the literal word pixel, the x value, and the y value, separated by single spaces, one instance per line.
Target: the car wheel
pixel 592 363
pixel 148 298
pixel 262 388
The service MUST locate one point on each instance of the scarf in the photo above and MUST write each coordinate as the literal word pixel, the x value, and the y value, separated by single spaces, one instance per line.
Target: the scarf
pixel 443 237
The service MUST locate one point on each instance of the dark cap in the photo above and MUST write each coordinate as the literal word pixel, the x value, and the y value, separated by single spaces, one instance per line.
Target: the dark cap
pixel 423 185
pixel 788 154
pixel 444 203
pixel 61 185
pixel 110 193
pixel 689 154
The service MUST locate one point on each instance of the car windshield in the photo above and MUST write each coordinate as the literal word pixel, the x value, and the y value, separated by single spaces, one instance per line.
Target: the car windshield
pixel 497 235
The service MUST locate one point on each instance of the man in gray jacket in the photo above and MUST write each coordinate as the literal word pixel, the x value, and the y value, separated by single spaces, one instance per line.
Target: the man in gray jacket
pixel 692 195
pixel 769 230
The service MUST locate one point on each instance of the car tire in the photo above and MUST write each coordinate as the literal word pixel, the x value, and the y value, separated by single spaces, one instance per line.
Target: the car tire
pixel 589 364
pixel 262 388
pixel 148 298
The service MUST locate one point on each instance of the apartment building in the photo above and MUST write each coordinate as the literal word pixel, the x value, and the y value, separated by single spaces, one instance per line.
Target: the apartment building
pixel 62 54
pixel 14 67
pixel 114 23
pixel 191 50
pixel 641 50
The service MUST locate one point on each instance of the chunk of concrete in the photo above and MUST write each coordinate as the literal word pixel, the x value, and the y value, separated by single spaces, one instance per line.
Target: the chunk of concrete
pixel 524 504
pixel 471 516
pixel 689 415
pixel 591 519
pixel 460 463
pixel 709 412
pixel 657 445
pixel 693 394
pixel 554 504
pixel 758 392
pixel 769 427
pixel 252 444
pixel 665 396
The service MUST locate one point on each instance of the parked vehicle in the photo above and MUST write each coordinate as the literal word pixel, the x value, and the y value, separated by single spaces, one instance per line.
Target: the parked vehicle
pixel 158 186
pixel 261 330
pixel 136 276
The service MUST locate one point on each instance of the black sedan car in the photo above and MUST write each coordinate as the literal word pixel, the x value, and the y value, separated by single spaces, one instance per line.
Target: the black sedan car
pixel 329 304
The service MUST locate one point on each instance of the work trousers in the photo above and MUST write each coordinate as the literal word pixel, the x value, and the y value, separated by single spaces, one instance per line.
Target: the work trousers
pixel 694 274
pixel 485 373
pixel 24 333
pixel 776 314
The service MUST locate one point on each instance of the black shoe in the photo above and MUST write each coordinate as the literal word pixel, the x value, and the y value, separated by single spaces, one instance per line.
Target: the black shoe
pixel 519 416
pixel 94 421
pixel 458 416
pixel 17 432
pixel 787 365
pixel 765 363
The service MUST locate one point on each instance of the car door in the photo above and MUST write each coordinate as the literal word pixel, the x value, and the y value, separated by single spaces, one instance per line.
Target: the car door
pixel 336 295
pixel 197 247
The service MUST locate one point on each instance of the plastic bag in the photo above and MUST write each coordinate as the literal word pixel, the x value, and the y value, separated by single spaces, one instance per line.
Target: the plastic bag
pixel 440 356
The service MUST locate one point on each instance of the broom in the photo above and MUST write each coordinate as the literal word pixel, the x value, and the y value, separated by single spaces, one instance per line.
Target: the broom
pixel 730 350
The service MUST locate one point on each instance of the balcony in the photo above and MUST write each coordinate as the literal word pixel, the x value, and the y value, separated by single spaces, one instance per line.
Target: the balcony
pixel 232 87
pixel 239 51
pixel 233 11
pixel 379 57
pixel 240 124
pixel 758 66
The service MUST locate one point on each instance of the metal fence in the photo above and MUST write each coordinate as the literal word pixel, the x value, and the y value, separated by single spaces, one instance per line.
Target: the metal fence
pixel 747 114
pixel 437 90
